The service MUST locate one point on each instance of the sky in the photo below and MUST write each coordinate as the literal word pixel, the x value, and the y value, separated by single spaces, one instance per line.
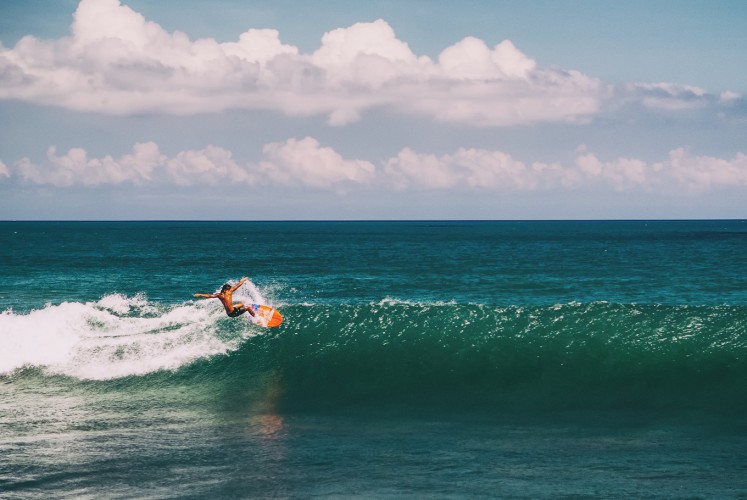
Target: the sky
pixel 377 109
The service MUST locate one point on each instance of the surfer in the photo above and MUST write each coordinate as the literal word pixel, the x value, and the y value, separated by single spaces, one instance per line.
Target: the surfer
pixel 226 298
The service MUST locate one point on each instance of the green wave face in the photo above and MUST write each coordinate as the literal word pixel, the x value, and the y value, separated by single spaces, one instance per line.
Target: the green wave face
pixel 566 356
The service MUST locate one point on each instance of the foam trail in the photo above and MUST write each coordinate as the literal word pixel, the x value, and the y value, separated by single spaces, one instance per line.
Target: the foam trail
pixel 114 337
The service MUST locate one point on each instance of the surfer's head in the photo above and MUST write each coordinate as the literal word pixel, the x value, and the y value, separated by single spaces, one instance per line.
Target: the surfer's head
pixel 225 288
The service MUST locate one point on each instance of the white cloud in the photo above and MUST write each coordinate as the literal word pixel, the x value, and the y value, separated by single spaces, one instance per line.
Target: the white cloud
pixel 475 169
pixel 700 173
pixel 620 174
pixel 115 61
pixel 75 167
pixel 471 59
pixel 146 165
pixel 498 171
pixel 471 168
pixel 366 54
pixel 306 163
pixel 729 96
pixel 258 45
pixel 292 163
pixel 669 96
pixel 410 169
pixel 210 166
pixel 680 172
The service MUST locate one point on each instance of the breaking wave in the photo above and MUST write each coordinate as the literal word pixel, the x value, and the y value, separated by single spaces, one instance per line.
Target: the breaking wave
pixel 564 356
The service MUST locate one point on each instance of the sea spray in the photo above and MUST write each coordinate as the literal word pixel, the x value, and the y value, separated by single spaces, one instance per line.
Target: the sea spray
pixel 114 337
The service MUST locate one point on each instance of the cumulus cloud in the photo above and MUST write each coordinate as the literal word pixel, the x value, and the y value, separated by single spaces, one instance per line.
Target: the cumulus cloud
pixel 475 169
pixel 116 61
pixel 210 166
pixel 681 171
pixel 472 59
pixel 305 163
pixel 366 53
pixel 75 167
pixel 498 171
pixel 292 163
pixel 145 165
pixel 700 173
pixel 471 168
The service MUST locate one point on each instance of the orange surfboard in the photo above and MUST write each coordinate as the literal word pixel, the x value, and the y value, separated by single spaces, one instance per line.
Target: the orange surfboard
pixel 266 316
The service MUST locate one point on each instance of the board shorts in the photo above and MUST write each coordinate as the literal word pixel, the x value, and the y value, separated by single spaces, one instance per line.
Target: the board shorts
pixel 238 311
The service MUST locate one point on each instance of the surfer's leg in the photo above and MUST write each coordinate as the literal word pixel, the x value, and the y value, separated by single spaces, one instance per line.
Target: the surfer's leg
pixel 240 309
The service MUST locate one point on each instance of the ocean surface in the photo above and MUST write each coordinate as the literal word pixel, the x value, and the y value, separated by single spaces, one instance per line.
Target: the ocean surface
pixel 416 360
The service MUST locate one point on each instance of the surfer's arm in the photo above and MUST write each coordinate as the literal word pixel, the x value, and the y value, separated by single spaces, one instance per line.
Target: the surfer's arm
pixel 236 287
pixel 206 295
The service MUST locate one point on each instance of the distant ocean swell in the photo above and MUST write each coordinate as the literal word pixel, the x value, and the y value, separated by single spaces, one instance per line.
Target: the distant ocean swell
pixel 566 356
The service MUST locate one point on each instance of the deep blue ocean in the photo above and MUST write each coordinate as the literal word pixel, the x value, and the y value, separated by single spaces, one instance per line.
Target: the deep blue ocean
pixel 416 360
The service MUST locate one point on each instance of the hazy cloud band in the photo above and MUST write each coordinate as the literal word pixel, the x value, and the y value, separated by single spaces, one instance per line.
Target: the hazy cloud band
pixel 306 163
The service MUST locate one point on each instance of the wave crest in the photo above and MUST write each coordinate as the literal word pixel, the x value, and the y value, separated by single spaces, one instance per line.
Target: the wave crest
pixel 573 355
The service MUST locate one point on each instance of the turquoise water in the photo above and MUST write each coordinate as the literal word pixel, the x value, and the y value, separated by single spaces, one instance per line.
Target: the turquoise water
pixel 417 359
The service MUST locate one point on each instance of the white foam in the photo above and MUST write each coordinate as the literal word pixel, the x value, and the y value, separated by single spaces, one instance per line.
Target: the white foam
pixel 121 304
pixel 390 301
pixel 250 294
pixel 115 337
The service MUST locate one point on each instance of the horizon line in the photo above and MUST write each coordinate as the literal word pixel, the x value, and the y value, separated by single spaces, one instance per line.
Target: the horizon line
pixel 690 219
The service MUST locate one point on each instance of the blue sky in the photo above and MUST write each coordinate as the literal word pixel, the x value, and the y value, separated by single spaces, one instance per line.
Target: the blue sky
pixel 372 110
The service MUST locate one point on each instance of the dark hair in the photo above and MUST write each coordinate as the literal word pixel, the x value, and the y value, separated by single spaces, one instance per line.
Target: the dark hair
pixel 225 287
